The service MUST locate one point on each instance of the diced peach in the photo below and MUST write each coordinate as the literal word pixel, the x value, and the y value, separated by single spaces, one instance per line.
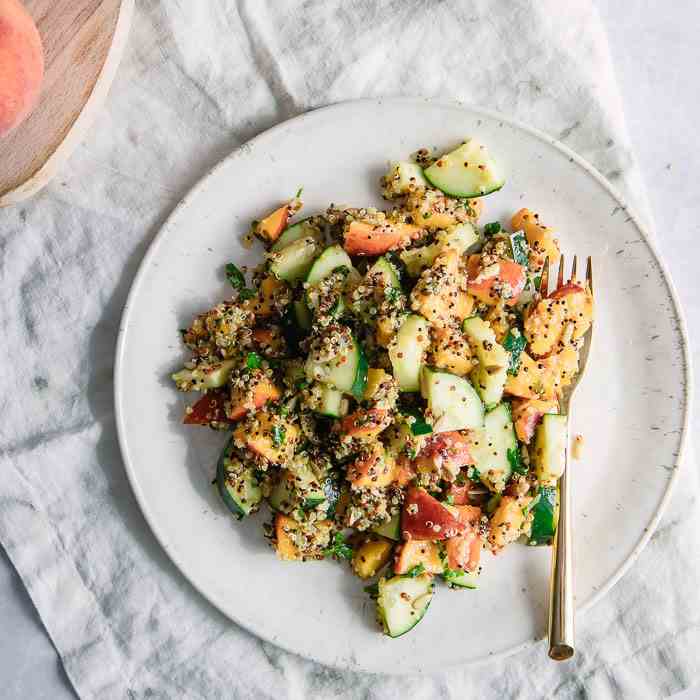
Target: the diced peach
pixel 507 521
pixel 373 468
pixel 425 518
pixel 559 319
pixel 210 408
pixel 527 414
pixel 405 471
pixel 450 350
pixel 375 378
pixel 261 439
pixel 527 383
pixel 270 340
pixel 262 304
pixel 414 552
pixel 504 273
pixel 464 551
pixel 541 239
pixel 271 227
pixel 376 239
pixel 459 494
pixel 286 549
pixel 365 423
pixel 21 65
pixel 559 370
pixel 439 296
pixel 445 451
pixel 263 392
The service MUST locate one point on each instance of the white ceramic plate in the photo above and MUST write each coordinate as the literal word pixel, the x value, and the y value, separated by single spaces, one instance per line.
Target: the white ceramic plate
pixel 631 407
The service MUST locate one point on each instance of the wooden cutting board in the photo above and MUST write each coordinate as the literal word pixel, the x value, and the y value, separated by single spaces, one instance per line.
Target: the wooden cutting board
pixel 83 43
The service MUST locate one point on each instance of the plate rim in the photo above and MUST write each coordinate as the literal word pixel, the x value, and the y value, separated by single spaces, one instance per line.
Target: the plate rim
pixel 201 183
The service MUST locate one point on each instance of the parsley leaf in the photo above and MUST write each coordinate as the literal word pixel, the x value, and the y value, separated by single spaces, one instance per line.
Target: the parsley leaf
pixel 519 246
pixel 278 435
pixel 514 344
pixel 339 548
pixel 253 360
pixel 417 570
pixel 237 281
pixel 492 229
pixel 393 294
pixel 473 473
pixel 235 276
pixel 516 461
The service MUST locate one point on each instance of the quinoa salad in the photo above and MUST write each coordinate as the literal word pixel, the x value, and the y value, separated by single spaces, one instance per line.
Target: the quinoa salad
pixel 390 382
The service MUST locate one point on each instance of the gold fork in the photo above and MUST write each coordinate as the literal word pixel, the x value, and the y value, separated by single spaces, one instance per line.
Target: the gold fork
pixel 561 590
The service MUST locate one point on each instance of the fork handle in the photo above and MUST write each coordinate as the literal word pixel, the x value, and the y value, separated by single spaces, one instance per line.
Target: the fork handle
pixel 561 591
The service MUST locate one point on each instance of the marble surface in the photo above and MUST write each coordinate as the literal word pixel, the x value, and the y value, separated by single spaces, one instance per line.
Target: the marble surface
pixel 655 54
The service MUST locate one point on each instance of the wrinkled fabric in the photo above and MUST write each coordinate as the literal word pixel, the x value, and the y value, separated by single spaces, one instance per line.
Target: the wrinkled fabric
pixel 197 80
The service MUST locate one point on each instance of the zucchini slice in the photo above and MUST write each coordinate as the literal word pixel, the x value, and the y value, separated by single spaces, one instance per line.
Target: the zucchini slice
pixel 391 529
pixel 452 401
pixel 490 377
pixel 551 437
pixel 462 579
pixel 407 352
pixel 402 602
pixel 492 448
pixel 387 271
pixel 468 171
pixel 350 377
pixel 293 262
pixel 460 237
pixel 332 258
pixel 239 490
pixel 205 376
pixel 403 178
pixel 333 403
pixel 302 315
pixel 302 229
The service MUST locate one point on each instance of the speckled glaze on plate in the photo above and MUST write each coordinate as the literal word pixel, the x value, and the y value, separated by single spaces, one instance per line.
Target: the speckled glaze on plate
pixel 632 406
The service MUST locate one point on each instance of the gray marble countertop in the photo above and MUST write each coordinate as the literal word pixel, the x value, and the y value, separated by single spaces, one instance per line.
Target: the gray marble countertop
pixel 656 53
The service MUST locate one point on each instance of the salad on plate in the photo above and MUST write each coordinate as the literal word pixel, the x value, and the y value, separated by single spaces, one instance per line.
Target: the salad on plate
pixel 390 381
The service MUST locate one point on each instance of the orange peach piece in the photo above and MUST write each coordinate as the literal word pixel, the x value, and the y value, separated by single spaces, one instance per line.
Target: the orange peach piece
pixel 504 272
pixel 21 65
pixel 271 227
pixel 369 239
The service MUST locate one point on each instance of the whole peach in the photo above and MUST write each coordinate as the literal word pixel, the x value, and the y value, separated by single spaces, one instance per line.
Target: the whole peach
pixel 21 64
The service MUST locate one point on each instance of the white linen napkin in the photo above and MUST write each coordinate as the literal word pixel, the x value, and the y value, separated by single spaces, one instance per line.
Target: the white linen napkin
pixel 197 80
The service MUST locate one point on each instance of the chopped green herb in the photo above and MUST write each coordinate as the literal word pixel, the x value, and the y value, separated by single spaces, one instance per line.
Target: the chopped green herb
pixel 492 229
pixel 419 426
pixel 235 276
pixel 519 246
pixel 253 360
pixel 278 435
pixel 237 281
pixel 450 500
pixel 473 473
pixel 393 294
pixel 417 570
pixel 449 574
pixel 339 549
pixel 302 384
pixel 298 194
pixel 516 461
pixel 514 344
